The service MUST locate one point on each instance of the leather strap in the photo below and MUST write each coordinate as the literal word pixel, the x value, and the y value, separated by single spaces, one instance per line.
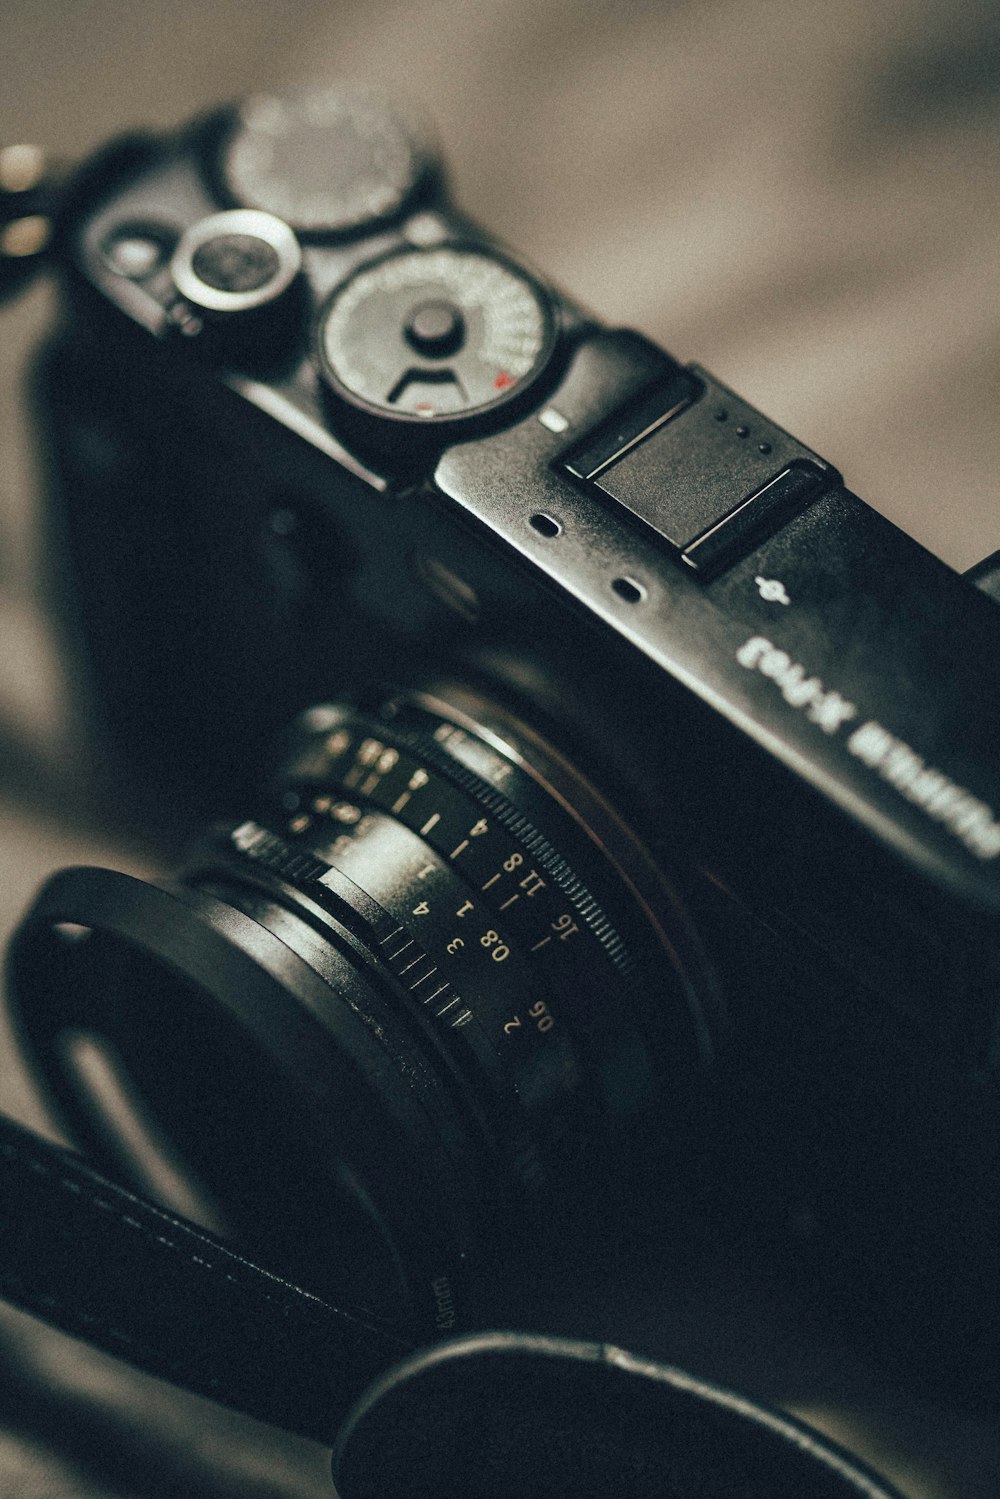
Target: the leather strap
pixel 106 1266
pixel 482 1417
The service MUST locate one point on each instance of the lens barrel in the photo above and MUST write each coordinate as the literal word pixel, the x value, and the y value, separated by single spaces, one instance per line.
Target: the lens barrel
pixel 391 1025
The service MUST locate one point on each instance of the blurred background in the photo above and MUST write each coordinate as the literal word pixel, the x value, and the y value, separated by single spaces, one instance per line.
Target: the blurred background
pixel 804 198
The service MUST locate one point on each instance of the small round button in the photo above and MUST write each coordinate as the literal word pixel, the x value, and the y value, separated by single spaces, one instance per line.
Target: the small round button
pixel 136 250
pixel 236 262
pixel 435 329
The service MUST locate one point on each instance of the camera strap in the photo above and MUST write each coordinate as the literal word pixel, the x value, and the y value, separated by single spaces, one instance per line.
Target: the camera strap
pixel 142 1283
pixel 482 1417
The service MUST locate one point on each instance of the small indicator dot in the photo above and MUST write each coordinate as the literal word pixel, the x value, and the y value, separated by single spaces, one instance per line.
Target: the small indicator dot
pixel 629 590
pixel 545 525
pixel 425 229
pixel 553 419
pixel 742 431
pixel 763 447
pixel 721 415
pixel 503 381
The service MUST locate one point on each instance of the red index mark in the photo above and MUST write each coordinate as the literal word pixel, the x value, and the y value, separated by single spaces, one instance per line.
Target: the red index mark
pixel 503 381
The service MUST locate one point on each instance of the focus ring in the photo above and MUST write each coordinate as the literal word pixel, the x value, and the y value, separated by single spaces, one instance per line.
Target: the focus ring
pixel 327 765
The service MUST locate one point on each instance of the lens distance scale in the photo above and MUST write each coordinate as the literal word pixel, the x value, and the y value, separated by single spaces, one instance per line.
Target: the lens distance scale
pixel 521 951
pixel 439 337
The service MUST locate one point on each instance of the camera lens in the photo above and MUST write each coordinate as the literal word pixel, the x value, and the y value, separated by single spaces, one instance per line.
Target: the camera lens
pixel 432 981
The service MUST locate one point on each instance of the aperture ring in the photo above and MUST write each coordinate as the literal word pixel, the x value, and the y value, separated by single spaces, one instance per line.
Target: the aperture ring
pixel 536 1108
pixel 623 1002
pixel 427 803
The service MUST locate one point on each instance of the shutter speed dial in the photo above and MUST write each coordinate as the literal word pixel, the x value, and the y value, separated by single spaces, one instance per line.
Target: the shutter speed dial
pixel 331 160
pixel 441 338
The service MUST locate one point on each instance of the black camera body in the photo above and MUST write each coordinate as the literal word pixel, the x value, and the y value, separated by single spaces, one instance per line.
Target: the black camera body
pixel 318 438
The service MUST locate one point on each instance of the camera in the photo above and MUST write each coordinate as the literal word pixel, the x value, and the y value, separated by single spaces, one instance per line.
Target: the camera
pixel 606 798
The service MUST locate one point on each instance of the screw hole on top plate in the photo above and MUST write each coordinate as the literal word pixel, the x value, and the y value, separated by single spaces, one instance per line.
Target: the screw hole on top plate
pixel 545 525
pixel 629 590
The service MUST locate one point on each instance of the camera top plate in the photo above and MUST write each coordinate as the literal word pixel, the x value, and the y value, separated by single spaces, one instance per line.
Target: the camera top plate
pixel 836 644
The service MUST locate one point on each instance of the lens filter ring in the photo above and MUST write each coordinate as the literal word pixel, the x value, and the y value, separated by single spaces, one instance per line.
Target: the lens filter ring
pixel 288 1087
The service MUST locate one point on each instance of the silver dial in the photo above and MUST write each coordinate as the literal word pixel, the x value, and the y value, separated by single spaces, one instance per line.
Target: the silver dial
pixel 236 262
pixel 329 160
pixel 436 335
